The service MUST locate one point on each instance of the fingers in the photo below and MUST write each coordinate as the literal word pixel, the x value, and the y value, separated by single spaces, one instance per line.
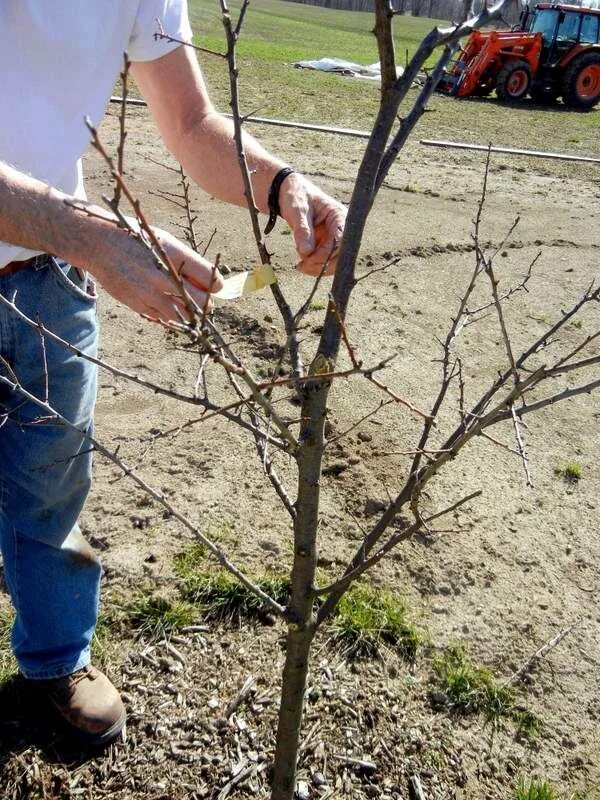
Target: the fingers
pixel 175 305
pixel 168 307
pixel 317 223
pixel 203 275
pixel 200 280
pixel 323 259
pixel 195 269
pixel 318 266
pixel 296 208
pixel 193 285
pixel 202 298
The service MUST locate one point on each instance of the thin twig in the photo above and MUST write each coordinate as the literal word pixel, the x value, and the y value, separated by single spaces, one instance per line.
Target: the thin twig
pixel 358 423
pixel 160 34
pixel 498 443
pixel 521 286
pixel 521 445
pixel 265 257
pixel 209 242
pixel 542 652
pixel 241 697
pixel 214 410
pixel 304 308
pixel 372 272
pixel 114 204
pixel 335 590
pixel 586 388
pixel 150 239
pixel 190 218
pixel 44 355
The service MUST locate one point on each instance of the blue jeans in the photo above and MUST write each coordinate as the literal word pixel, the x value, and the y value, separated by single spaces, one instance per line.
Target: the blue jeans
pixel 51 572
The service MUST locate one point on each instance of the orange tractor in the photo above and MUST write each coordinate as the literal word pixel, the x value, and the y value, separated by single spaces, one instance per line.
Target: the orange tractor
pixel 554 53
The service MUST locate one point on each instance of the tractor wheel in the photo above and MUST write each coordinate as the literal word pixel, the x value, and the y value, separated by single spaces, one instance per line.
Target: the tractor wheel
pixel 513 82
pixel 581 81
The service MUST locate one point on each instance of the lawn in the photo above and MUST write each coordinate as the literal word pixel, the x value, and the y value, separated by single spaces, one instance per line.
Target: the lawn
pixel 277 33
pixel 282 32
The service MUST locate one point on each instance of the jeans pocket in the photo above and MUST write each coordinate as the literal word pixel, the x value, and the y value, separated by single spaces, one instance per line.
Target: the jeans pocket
pixel 69 278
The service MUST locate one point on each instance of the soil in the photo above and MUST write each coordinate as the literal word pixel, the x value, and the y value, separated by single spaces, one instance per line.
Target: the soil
pixel 509 572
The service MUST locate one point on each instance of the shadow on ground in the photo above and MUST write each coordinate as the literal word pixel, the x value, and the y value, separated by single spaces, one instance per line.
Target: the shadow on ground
pixel 28 722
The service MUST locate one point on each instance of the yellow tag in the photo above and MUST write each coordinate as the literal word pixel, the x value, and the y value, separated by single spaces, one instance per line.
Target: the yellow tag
pixel 246 282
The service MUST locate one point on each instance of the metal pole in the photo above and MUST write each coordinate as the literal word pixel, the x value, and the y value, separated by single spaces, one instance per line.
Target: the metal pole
pixel 358 134
pixel 281 123
pixel 515 151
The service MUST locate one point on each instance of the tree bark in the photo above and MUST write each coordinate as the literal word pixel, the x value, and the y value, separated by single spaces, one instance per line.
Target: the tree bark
pixel 290 712
pixel 385 44
pixel 300 614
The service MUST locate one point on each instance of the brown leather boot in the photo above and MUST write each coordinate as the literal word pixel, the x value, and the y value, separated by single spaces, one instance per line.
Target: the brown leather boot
pixel 88 702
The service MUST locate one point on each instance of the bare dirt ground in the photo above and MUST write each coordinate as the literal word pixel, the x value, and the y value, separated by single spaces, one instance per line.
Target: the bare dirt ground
pixel 520 564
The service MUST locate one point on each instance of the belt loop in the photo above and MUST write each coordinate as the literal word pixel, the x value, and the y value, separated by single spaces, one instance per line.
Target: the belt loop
pixel 39 262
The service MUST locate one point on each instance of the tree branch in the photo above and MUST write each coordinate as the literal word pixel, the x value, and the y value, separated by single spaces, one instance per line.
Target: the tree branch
pixel 15 386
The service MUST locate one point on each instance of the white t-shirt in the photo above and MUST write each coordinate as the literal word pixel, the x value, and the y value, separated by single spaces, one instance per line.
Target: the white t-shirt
pixel 59 60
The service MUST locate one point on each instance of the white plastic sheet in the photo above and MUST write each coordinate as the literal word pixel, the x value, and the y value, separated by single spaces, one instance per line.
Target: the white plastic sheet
pixel 370 72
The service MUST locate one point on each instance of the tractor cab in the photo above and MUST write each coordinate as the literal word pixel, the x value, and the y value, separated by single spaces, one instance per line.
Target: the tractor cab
pixel 561 28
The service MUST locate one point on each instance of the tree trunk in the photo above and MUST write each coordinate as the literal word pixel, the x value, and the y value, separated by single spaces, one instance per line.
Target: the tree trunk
pixel 300 615
pixel 290 712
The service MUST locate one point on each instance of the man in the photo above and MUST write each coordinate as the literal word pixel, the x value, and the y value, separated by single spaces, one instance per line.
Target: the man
pixel 58 62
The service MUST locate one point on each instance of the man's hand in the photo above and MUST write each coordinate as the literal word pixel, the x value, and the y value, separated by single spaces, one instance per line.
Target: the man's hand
pixel 132 277
pixel 202 141
pixel 43 219
pixel 317 223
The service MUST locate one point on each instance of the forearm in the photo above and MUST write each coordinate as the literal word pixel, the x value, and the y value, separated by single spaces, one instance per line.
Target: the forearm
pixel 203 142
pixel 199 138
pixel 38 217
pixel 208 153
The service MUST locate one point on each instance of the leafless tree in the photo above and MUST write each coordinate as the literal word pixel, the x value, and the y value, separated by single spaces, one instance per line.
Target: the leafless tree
pixel 543 373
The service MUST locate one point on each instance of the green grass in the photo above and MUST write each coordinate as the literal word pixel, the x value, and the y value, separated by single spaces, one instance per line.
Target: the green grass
pixel 188 562
pixel 571 472
pixel 8 665
pixel 277 33
pixel 365 621
pixel 221 597
pixel 158 617
pixel 105 643
pixel 368 620
pixel 528 725
pixel 274 36
pixel 469 689
pixel 534 790
pixel 537 789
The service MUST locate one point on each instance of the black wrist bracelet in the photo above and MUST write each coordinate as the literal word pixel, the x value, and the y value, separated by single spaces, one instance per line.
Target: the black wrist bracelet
pixel 273 198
